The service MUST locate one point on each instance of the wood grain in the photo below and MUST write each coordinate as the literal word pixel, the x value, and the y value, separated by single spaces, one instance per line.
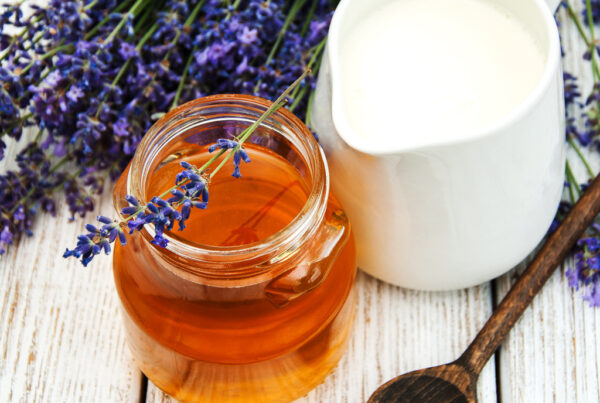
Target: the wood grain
pixel 61 338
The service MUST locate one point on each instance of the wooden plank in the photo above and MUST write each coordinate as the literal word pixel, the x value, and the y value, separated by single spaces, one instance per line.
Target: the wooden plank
pixel 553 352
pixel 396 331
pixel 61 338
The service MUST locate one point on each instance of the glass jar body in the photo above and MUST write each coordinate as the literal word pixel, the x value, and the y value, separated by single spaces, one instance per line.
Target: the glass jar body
pixel 198 348
pixel 270 334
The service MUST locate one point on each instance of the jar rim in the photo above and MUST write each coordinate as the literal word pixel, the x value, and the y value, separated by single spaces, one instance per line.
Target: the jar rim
pixel 236 258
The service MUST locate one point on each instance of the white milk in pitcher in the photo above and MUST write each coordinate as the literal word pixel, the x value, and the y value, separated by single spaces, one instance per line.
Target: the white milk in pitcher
pixel 417 72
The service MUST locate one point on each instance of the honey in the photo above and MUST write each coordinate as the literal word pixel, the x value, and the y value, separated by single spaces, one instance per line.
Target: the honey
pixel 268 196
pixel 258 310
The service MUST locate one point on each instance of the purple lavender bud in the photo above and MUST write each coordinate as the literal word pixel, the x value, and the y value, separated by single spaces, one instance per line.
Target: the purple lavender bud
pixel 106 247
pixel 592 295
pixel 129 210
pixel 160 241
pixel 19 214
pixel 132 200
pixel 226 144
pixel 200 205
pixel 244 155
pixel 6 236
pixel 136 224
pixel 91 228
pixel 104 220
pixel 121 236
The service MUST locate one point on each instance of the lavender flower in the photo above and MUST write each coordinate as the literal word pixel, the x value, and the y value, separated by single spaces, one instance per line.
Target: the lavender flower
pixel 585 274
pixel 93 75
pixel 595 11
pixel 572 92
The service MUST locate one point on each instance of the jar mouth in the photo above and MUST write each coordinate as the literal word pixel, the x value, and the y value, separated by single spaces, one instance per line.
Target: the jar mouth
pixel 215 109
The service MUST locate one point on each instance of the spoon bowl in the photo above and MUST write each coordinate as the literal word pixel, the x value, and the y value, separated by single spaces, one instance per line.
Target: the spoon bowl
pixel 445 383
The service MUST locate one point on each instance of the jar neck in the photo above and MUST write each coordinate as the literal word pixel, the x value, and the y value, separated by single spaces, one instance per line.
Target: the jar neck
pixel 251 259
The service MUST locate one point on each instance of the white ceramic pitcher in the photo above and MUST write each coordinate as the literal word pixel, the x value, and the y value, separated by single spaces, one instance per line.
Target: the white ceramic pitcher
pixel 458 213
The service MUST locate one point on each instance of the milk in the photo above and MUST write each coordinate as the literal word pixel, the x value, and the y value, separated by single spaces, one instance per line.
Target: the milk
pixel 418 72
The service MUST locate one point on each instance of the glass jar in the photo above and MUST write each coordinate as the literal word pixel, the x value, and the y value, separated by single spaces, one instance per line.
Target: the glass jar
pixel 262 320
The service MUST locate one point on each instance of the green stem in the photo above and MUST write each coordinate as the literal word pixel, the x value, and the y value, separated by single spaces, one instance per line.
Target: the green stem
pixel 117 9
pixel 121 23
pixel 46 55
pixel 42 77
pixel 183 78
pixel 235 6
pixel 590 18
pixel 592 45
pixel 19 35
pixel 92 4
pixel 141 23
pixel 126 65
pixel 35 40
pixel 577 22
pixel 588 42
pixel 572 179
pixel 571 185
pixel 581 157
pixel 38 135
pixel 194 14
pixel 279 102
pixel 297 98
pixel 288 20
pixel 21 120
pixel 146 36
pixel 32 190
pixel 60 163
pixel 115 81
pixel 309 17
pixel 307 119
pixel 317 52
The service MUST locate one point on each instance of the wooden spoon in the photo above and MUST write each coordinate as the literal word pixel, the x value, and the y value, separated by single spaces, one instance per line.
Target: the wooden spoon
pixel 457 381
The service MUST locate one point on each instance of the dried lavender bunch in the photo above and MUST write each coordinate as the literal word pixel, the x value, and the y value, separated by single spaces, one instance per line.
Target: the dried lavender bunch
pixel 584 275
pixel 93 75
pixel 190 191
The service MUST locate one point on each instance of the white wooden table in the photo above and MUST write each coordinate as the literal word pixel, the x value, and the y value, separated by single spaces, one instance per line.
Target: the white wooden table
pixel 61 338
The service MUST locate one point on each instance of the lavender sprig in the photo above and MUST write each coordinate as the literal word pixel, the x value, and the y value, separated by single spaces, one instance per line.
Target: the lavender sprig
pixel 584 274
pixel 190 191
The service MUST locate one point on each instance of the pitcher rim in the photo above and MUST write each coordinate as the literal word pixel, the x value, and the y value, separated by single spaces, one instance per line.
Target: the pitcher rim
pixel 551 65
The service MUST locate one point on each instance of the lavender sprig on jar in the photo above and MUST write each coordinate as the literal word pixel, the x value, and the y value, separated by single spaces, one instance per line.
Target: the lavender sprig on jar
pixel 190 191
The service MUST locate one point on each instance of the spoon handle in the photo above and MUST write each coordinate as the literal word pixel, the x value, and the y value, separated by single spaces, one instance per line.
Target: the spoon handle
pixel 532 280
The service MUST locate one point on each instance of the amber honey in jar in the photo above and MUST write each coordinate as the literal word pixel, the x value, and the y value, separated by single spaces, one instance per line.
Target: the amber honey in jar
pixel 253 300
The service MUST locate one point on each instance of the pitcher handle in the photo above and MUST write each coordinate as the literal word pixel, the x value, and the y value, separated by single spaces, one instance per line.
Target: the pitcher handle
pixel 553 5
pixel 323 251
